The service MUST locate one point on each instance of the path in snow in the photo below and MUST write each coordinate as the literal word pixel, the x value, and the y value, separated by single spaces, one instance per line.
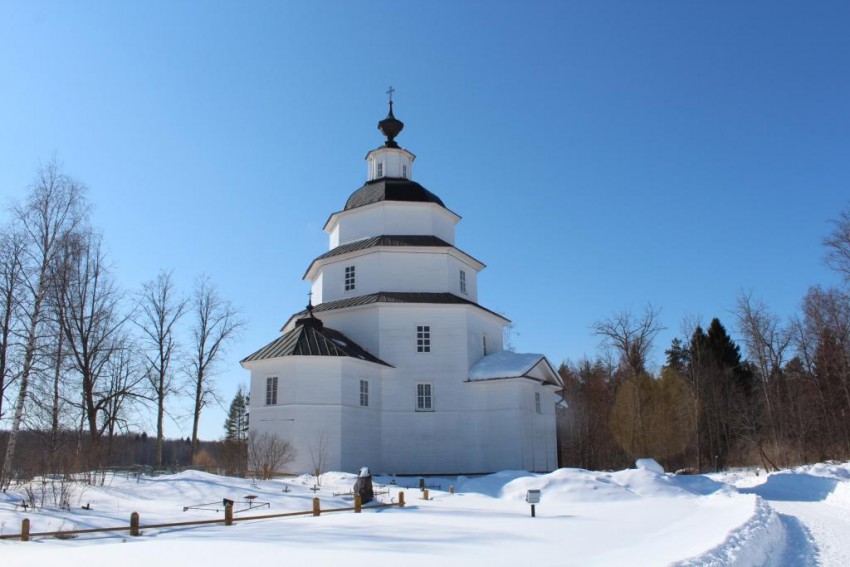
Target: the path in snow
pixel 814 506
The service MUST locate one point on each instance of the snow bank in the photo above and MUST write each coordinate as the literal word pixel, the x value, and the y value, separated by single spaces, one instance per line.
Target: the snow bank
pixel 759 541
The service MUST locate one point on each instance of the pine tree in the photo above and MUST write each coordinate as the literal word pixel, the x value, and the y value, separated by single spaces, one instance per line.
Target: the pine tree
pixel 234 454
pixel 236 424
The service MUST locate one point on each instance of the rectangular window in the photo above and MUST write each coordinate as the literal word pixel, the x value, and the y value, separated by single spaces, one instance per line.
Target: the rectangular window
pixel 537 402
pixel 349 278
pixel 380 170
pixel 462 281
pixel 423 338
pixel 424 397
pixel 404 171
pixel 271 391
pixel 364 393
pixel 484 343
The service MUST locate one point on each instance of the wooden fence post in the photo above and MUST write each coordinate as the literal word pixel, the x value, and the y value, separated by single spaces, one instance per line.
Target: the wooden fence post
pixel 228 515
pixel 316 509
pixel 134 524
pixel 357 504
pixel 401 499
pixel 25 529
pixel 425 494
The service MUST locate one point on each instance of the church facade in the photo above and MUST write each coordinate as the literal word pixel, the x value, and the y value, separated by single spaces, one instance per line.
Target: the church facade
pixel 394 365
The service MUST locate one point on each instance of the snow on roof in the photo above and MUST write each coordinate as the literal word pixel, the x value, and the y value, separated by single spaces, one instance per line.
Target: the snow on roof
pixel 504 364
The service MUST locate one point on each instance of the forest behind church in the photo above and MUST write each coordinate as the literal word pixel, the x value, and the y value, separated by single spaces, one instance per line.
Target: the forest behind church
pixel 777 396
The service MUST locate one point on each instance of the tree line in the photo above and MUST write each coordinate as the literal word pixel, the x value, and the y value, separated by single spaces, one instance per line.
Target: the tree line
pixel 786 402
pixel 82 359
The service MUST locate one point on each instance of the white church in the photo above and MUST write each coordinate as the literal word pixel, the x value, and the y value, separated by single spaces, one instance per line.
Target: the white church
pixel 395 365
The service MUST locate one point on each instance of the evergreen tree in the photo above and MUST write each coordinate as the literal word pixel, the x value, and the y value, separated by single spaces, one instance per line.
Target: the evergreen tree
pixel 236 424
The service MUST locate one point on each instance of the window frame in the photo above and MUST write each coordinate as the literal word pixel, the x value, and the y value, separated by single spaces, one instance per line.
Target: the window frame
pixel 350 278
pixel 271 390
pixel 463 282
pixel 364 393
pixel 537 407
pixel 423 339
pixel 424 397
pixel 379 169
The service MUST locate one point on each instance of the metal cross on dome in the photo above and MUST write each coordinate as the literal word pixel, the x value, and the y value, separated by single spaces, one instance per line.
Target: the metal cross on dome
pixel 390 92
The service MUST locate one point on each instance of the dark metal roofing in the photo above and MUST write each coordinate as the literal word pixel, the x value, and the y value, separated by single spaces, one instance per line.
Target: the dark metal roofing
pixel 391 189
pixel 440 298
pixel 311 338
pixel 387 240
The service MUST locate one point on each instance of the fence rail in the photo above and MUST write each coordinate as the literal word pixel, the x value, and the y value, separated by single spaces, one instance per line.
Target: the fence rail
pixel 135 527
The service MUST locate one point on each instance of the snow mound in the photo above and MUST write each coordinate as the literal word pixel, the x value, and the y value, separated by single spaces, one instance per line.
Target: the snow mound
pixel 648 464
pixel 579 485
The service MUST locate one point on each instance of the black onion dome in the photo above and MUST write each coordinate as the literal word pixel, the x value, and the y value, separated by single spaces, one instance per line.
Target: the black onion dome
pixel 390 127
pixel 391 189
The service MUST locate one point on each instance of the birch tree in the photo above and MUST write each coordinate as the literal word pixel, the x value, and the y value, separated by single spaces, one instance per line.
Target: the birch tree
pixel 215 324
pixel 54 209
pixel 11 250
pixel 160 311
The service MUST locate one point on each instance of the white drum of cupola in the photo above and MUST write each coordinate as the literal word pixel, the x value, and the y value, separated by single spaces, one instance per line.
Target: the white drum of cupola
pixel 389 162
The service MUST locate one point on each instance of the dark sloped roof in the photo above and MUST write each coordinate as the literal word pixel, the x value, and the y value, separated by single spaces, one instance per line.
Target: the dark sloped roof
pixel 311 338
pixel 386 240
pixel 391 189
pixel 397 297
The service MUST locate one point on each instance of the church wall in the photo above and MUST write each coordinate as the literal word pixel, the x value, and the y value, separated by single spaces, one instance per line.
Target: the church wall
pixel 358 324
pixel 309 395
pixel 425 441
pixel 361 425
pixel 395 270
pixel 479 325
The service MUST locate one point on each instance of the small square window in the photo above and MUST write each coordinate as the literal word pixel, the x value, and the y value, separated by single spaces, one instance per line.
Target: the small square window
pixel 364 393
pixel 537 402
pixel 463 281
pixel 424 397
pixel 423 338
pixel 271 391
pixel 380 170
pixel 349 278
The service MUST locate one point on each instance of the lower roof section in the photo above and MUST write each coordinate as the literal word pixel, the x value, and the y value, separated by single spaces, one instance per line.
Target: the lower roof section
pixel 509 364
pixel 311 338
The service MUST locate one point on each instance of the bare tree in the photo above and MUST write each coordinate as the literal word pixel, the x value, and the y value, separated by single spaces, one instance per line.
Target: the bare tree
pixel 631 336
pixel 319 456
pixel 92 324
pixel 11 250
pixel 767 342
pixel 838 245
pixel 215 324
pixel 54 208
pixel 267 454
pixel 161 310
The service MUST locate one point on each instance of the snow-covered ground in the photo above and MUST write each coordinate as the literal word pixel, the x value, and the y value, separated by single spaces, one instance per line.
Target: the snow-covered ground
pixel 630 517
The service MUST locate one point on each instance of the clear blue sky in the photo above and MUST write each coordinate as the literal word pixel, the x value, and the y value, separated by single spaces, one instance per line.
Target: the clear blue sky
pixel 602 154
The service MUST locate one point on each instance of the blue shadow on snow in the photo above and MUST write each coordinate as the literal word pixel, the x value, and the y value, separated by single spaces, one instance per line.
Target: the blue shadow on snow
pixel 793 487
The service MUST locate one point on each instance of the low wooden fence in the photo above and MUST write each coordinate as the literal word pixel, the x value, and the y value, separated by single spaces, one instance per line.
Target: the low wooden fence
pixel 135 527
